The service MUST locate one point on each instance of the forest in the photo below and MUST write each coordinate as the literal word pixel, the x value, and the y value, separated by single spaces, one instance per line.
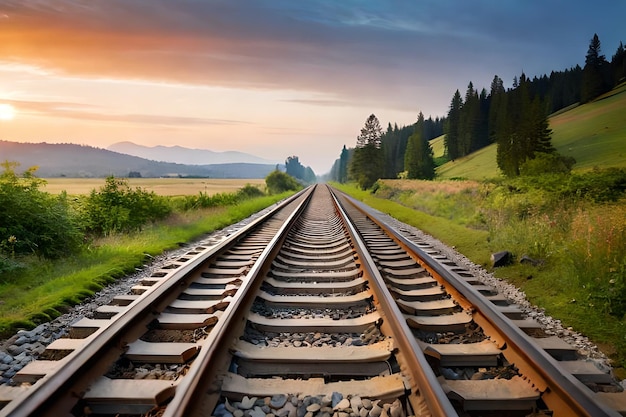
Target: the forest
pixel 516 119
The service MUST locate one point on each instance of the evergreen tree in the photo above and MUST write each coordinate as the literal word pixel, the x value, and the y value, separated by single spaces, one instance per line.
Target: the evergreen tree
pixel 497 107
pixel 366 166
pixel 481 136
pixel 452 139
pixel 294 168
pixel 618 63
pixel 470 114
pixel 524 133
pixel 418 159
pixel 342 176
pixel 594 82
pixel 390 145
pixel 370 133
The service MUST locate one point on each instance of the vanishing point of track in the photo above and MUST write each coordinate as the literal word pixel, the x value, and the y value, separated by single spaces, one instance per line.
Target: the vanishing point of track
pixel 303 313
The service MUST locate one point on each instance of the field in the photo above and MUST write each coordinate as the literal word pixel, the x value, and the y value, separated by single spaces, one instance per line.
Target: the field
pixel 590 133
pixel 161 186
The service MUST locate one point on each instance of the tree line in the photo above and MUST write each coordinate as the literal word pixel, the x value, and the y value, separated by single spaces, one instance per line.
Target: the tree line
pixel 516 119
pixel 294 168
pixel 381 154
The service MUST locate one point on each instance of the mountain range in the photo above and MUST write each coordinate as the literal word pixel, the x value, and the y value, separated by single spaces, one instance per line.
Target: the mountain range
pixel 81 161
pixel 180 155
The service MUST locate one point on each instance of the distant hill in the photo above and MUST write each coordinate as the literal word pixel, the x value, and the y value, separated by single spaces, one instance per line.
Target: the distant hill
pixel 180 155
pixel 593 133
pixel 79 161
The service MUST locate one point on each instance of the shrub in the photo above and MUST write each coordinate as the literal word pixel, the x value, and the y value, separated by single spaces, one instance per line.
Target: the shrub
pixel 33 221
pixel 249 191
pixel 606 185
pixel 547 163
pixel 118 208
pixel 278 182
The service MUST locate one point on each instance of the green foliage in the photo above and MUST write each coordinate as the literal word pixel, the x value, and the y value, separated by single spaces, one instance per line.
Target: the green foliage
pixel 278 182
pixel 366 166
pixel 249 191
pixel 295 169
pixel 418 159
pixel 118 208
pixel 453 126
pixel 597 244
pixel 367 163
pixel 547 163
pixel 44 288
pixel 33 221
pixel 596 73
pixel 523 131
pixel 597 186
pixel 578 233
pixel 592 133
pixel 204 200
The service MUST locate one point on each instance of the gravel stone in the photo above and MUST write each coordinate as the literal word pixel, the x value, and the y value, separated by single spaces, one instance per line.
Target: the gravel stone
pixel 278 401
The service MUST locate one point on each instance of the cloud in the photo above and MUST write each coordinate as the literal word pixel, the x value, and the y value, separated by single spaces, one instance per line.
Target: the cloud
pixel 88 112
pixel 389 53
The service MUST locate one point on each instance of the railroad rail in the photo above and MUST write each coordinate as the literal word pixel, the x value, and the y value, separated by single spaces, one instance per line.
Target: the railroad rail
pixel 317 308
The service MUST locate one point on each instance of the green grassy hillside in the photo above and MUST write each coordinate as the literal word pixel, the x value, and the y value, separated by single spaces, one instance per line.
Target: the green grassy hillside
pixel 437 146
pixel 594 134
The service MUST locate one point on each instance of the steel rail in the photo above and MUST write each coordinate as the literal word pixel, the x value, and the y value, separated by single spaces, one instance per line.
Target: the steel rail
pixel 420 370
pixel 571 392
pixel 38 399
pixel 189 391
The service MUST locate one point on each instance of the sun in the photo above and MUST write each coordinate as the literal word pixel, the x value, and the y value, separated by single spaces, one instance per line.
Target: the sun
pixel 7 112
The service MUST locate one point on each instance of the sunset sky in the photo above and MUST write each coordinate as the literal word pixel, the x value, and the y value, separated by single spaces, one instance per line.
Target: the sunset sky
pixel 271 78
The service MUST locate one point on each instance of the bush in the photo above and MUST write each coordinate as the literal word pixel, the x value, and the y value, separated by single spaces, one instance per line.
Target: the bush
pixel 33 221
pixel 607 185
pixel 118 208
pixel 204 200
pixel 249 191
pixel 278 182
pixel 547 163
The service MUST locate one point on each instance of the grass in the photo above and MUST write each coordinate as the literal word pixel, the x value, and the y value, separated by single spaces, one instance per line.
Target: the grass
pixel 47 288
pixel 592 133
pixel 582 277
pixel 161 186
pixel 438 146
pixel 468 241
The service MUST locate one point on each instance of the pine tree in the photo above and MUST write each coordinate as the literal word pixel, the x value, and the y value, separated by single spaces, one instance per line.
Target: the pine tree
pixel 418 159
pixel 524 133
pixel 390 145
pixel 366 166
pixel 452 139
pixel 618 63
pixel 370 133
pixel 497 107
pixel 593 83
pixel 342 175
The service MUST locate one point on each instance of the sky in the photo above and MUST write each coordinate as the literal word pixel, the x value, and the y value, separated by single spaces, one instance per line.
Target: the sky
pixel 273 78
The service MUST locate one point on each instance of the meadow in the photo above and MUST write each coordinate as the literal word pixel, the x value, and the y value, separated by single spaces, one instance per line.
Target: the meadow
pixel 579 245
pixel 170 187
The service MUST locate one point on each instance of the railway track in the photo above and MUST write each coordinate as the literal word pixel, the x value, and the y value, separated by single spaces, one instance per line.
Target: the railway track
pixel 303 313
